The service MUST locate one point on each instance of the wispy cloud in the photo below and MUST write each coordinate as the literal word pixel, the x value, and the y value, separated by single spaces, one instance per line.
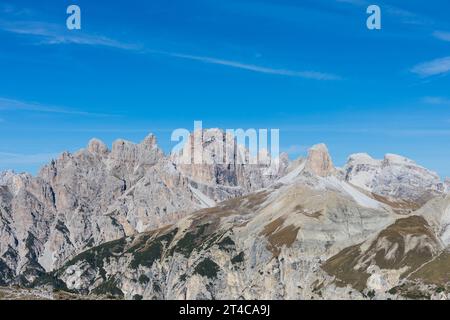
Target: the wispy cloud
pixel 8 159
pixel 17 105
pixel 432 68
pixel 6 8
pixel 50 33
pixel 442 35
pixel 441 101
pixel 9 9
pixel 314 75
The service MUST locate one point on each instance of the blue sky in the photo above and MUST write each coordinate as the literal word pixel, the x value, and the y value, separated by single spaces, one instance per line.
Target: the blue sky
pixel 310 68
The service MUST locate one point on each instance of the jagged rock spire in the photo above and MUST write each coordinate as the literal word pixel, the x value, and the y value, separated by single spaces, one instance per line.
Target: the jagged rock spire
pixel 97 146
pixel 319 161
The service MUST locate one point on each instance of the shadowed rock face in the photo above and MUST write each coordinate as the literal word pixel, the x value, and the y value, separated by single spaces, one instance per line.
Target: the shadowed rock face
pixel 130 222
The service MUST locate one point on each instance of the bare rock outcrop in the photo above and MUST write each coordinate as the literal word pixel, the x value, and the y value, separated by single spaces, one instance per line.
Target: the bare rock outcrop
pixel 319 161
pixel 214 157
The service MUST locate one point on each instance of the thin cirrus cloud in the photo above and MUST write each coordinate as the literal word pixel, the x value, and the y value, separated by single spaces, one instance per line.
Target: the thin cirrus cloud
pixel 432 68
pixel 17 105
pixel 442 35
pixel 314 75
pixel 50 33
pixel 438 101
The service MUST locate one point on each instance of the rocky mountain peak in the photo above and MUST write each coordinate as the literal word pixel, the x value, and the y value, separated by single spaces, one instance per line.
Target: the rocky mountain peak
pixel 362 158
pixel 5 176
pixel 122 147
pixel 215 157
pixel 319 161
pixel 395 159
pixel 394 176
pixel 150 142
pixel 206 147
pixel 98 147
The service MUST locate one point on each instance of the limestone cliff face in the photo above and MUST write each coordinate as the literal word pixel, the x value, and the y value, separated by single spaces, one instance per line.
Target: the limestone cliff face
pixel 319 161
pixel 213 157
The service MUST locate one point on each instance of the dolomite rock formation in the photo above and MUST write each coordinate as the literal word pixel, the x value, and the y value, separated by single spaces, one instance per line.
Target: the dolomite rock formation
pixel 395 177
pixel 319 161
pixel 214 157
pixel 97 195
pixel 5 176
pixel 133 223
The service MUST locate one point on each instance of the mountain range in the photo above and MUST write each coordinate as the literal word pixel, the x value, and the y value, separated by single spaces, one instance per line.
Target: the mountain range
pixel 133 223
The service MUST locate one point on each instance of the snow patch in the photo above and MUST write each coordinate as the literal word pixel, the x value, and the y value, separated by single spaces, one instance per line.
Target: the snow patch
pixel 363 158
pixel 357 195
pixel 290 177
pixel 397 159
pixel 204 199
pixel 445 222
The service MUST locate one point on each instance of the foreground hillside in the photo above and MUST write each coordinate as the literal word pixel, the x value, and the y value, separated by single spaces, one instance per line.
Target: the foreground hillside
pixel 291 243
